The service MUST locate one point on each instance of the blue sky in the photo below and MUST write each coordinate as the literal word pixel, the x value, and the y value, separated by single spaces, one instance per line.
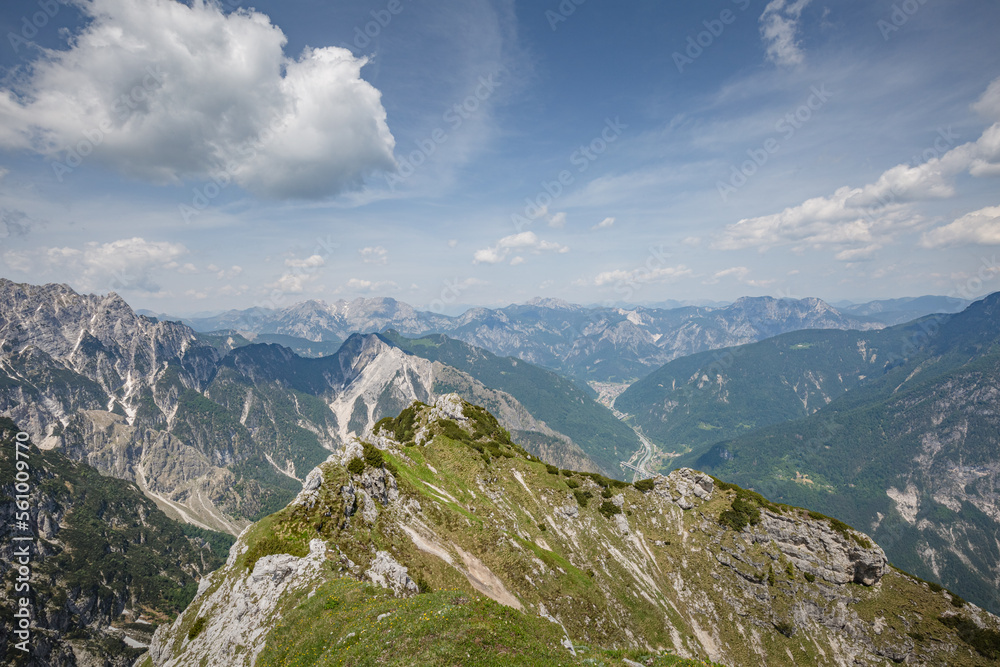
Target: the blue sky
pixel 196 157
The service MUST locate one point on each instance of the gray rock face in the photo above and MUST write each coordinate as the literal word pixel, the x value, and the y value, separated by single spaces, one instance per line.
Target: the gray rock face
pixel 238 613
pixel 814 547
pixel 682 486
pixel 387 573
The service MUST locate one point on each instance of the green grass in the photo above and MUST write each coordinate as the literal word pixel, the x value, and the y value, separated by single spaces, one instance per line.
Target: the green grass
pixel 340 625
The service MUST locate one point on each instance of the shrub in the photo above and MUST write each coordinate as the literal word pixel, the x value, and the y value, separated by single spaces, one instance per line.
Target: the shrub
pixel 356 466
pixel 785 628
pixel 373 455
pixel 609 509
pixel 542 527
pixel 606 493
pixel 986 642
pixel 810 577
pixel 551 469
pixel 572 483
pixel 582 497
pixel 566 473
pixel 743 512
pixel 645 485
pixel 196 627
pixel 770 576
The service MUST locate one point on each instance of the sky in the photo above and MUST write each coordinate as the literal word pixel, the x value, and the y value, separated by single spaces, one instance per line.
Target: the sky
pixel 201 156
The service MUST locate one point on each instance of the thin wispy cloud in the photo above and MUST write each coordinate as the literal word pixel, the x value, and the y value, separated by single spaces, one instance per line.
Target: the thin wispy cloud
pixel 779 28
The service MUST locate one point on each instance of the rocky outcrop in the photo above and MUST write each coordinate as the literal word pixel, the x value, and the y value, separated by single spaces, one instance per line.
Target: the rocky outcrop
pixel 235 610
pixel 813 546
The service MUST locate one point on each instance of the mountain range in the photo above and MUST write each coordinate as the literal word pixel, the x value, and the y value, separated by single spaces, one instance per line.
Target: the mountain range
pixel 600 344
pixel 219 434
pixel 893 430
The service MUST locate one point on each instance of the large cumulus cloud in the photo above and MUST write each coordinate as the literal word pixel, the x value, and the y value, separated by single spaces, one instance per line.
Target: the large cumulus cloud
pixel 164 91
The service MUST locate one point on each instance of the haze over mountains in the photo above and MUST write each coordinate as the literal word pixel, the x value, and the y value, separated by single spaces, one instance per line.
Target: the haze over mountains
pixel 589 344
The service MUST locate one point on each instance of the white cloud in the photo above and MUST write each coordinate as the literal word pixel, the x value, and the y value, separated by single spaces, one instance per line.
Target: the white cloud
pixel 123 265
pixel 988 105
pixel 978 227
pixel 604 224
pixel 312 262
pixel 164 91
pixel 525 241
pixel 740 273
pixel 517 261
pixel 641 275
pixel 452 243
pixel 557 220
pixel 186 269
pixel 853 218
pixel 371 286
pixel 858 254
pixel 779 25
pixel 374 255
pixel 229 274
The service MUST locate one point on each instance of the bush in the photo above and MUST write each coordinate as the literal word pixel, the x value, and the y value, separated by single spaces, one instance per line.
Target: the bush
pixel 809 577
pixel 606 493
pixel 566 473
pixel 373 455
pixel 645 485
pixel 986 642
pixel 785 628
pixel 196 627
pixel 770 576
pixel 743 512
pixel 551 469
pixel 609 509
pixel 356 466
pixel 582 497
pixel 572 483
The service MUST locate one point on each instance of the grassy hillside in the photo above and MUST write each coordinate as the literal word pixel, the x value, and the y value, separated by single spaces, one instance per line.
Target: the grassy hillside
pixel 496 558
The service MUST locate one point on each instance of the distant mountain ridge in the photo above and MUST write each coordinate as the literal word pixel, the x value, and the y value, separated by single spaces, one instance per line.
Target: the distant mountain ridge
pixel 218 434
pixel 589 344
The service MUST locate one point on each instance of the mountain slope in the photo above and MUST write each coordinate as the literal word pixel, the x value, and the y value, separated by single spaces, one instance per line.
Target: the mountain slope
pixel 590 344
pixel 699 400
pixel 585 569
pixel 911 455
pixel 216 432
pixel 102 559
pixel 551 398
